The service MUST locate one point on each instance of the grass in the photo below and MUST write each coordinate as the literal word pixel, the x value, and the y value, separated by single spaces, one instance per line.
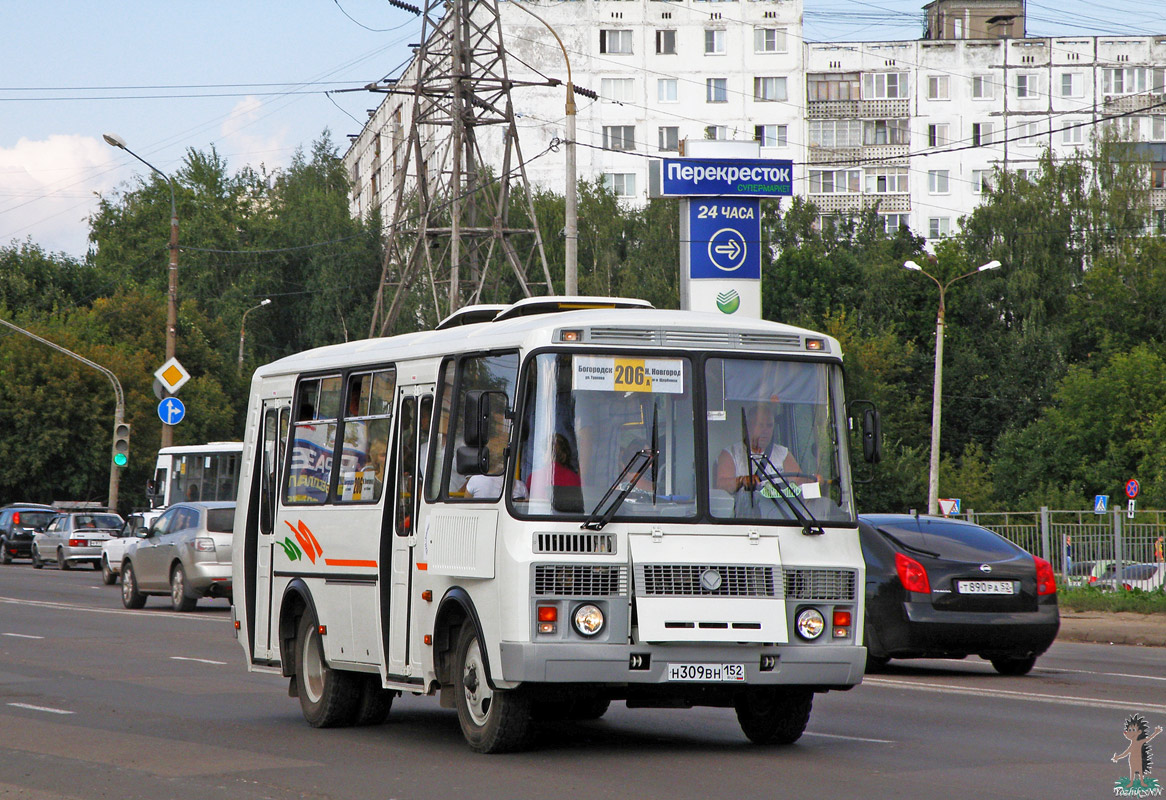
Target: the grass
pixel 1088 598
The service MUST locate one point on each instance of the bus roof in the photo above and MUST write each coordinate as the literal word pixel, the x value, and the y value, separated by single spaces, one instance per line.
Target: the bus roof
pixel 605 327
pixel 209 447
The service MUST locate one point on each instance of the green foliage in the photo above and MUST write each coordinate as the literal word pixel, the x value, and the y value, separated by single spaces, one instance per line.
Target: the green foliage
pixel 1089 598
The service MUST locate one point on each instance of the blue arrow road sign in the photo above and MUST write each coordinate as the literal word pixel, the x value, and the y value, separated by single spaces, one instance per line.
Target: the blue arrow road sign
pixel 171 411
pixel 1100 503
pixel 725 238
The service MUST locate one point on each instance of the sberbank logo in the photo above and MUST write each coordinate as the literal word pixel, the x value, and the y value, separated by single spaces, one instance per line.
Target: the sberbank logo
pixel 728 302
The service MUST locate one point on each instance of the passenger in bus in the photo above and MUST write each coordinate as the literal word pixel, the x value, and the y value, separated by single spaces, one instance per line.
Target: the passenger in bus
pixel 560 472
pixel 192 493
pixel 733 469
pixel 489 487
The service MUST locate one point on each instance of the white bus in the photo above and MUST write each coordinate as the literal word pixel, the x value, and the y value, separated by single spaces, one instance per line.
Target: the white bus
pixel 537 509
pixel 195 472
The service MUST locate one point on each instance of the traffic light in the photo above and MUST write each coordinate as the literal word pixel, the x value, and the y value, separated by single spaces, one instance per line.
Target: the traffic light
pixel 121 444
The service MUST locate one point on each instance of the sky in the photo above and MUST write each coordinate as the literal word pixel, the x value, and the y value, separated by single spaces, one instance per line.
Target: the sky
pixel 257 80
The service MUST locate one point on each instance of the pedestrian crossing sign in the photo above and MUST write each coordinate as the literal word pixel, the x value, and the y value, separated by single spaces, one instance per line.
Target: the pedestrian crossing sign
pixel 949 506
pixel 1100 503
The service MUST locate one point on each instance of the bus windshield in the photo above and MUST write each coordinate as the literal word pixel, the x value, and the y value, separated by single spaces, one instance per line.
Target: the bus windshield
pixel 586 418
pixel 773 442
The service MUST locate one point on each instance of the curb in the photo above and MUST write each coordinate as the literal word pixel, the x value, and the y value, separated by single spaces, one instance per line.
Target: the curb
pixel 1126 628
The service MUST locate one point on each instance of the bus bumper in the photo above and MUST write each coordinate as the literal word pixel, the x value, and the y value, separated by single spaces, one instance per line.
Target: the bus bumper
pixel 823 666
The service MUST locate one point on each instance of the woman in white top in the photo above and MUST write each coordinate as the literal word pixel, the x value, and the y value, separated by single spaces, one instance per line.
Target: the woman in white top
pixel 733 471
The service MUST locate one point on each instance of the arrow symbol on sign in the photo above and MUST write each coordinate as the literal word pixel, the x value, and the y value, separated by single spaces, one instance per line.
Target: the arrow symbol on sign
pixel 171 411
pixel 731 248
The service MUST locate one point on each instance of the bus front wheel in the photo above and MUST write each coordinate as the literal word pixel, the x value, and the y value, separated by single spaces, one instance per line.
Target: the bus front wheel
pixel 492 720
pixel 328 697
pixel 774 715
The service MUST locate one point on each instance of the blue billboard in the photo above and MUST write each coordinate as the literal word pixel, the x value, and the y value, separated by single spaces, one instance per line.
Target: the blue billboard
pixel 727 177
pixel 724 238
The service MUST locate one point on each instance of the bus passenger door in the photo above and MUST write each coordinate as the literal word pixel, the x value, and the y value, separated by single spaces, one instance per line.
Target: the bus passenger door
pixel 276 416
pixel 415 407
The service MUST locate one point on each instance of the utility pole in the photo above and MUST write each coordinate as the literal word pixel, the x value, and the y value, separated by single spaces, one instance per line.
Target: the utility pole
pixel 449 220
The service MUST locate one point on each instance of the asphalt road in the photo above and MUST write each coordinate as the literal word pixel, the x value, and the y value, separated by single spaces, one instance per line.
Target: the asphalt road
pixel 100 702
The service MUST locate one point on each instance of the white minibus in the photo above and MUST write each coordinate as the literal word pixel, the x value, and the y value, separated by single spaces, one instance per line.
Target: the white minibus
pixel 538 509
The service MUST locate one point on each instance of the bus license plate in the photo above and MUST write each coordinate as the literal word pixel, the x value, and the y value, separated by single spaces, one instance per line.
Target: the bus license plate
pixel 985 587
pixel 706 673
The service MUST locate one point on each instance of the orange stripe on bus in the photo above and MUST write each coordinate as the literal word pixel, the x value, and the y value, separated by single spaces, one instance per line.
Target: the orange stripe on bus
pixel 349 562
pixel 422 566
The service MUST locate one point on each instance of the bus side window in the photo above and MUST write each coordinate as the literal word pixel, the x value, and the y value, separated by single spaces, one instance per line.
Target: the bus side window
pixel 366 437
pixel 406 466
pixel 267 486
pixel 313 440
pixel 436 456
pixel 493 373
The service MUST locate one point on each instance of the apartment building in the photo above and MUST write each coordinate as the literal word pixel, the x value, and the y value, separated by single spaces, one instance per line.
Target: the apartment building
pixel 914 128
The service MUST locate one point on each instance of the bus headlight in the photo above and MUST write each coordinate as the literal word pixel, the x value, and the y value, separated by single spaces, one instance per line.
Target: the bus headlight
pixel 810 623
pixel 588 620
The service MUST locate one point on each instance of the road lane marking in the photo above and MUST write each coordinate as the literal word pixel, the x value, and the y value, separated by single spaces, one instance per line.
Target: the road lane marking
pixel 72 607
pixel 23 635
pixel 200 660
pixel 1054 670
pixel 848 738
pixel 40 708
pixel 1036 697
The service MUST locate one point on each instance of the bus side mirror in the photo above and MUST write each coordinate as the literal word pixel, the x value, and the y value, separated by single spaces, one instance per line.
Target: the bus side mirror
pixel 473 460
pixel 872 436
pixel 476 431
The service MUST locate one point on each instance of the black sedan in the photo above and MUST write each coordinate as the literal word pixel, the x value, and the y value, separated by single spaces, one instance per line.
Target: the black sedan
pixel 944 588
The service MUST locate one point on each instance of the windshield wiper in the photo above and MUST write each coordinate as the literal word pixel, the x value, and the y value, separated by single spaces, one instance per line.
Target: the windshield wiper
pixel 646 458
pixel 768 471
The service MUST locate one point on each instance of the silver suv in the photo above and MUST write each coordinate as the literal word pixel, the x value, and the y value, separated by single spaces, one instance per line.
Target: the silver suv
pixel 186 554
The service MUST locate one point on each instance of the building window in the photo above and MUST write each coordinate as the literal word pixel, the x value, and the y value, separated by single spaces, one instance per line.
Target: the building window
pixel 619 137
pixel 937 181
pixel 981 134
pixel 770 135
pixel 769 90
pixel 980 181
pixel 1073 131
pixel 1157 128
pixel 615 42
pixel 885 86
pixel 1028 174
pixel 621 184
pixel 893 222
pixel 835 181
pixel 617 90
pixel 982 87
pixel 937 87
pixel 669 139
pixel 835 133
pixel 887 180
pixel 938 227
pixel 666 43
pixel 1071 84
pixel 1028 134
pixel 716 90
pixel 716 132
pixel 714 42
pixel 938 135
pixel 1026 85
pixel 1132 80
pixel 832 86
pixel 769 40
pixel 666 90
pixel 886 131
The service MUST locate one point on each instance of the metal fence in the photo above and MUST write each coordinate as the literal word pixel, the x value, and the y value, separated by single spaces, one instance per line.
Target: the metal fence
pixel 1064 538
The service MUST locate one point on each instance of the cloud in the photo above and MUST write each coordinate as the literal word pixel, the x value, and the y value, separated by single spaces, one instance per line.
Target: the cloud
pixel 47 190
pixel 250 138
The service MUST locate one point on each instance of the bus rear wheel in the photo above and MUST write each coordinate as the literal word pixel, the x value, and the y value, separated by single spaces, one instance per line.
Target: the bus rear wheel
pixel 774 715
pixel 328 697
pixel 492 720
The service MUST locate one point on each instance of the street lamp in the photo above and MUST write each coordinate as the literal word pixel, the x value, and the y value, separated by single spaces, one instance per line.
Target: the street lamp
pixel 571 210
pixel 242 326
pixel 933 477
pixel 114 140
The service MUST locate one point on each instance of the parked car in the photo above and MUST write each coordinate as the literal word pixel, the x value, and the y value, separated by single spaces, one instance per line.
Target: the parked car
pixel 186 554
pixel 944 588
pixel 18 524
pixel 1146 577
pixel 1080 573
pixel 114 548
pixel 74 537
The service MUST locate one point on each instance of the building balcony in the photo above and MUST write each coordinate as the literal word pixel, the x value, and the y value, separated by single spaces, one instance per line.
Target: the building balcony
pixel 885 154
pixel 1130 103
pixel 855 203
pixel 857 109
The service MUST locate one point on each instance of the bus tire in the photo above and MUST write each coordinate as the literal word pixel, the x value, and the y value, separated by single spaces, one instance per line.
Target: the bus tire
pixel 773 715
pixel 492 721
pixel 375 702
pixel 328 697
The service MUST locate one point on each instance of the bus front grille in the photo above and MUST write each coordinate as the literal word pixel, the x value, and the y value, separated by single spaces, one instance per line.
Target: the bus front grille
pixel 819 584
pixel 579 580
pixel 574 543
pixel 706 580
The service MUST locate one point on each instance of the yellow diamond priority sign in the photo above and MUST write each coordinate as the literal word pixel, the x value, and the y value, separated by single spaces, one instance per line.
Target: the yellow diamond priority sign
pixel 172 375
